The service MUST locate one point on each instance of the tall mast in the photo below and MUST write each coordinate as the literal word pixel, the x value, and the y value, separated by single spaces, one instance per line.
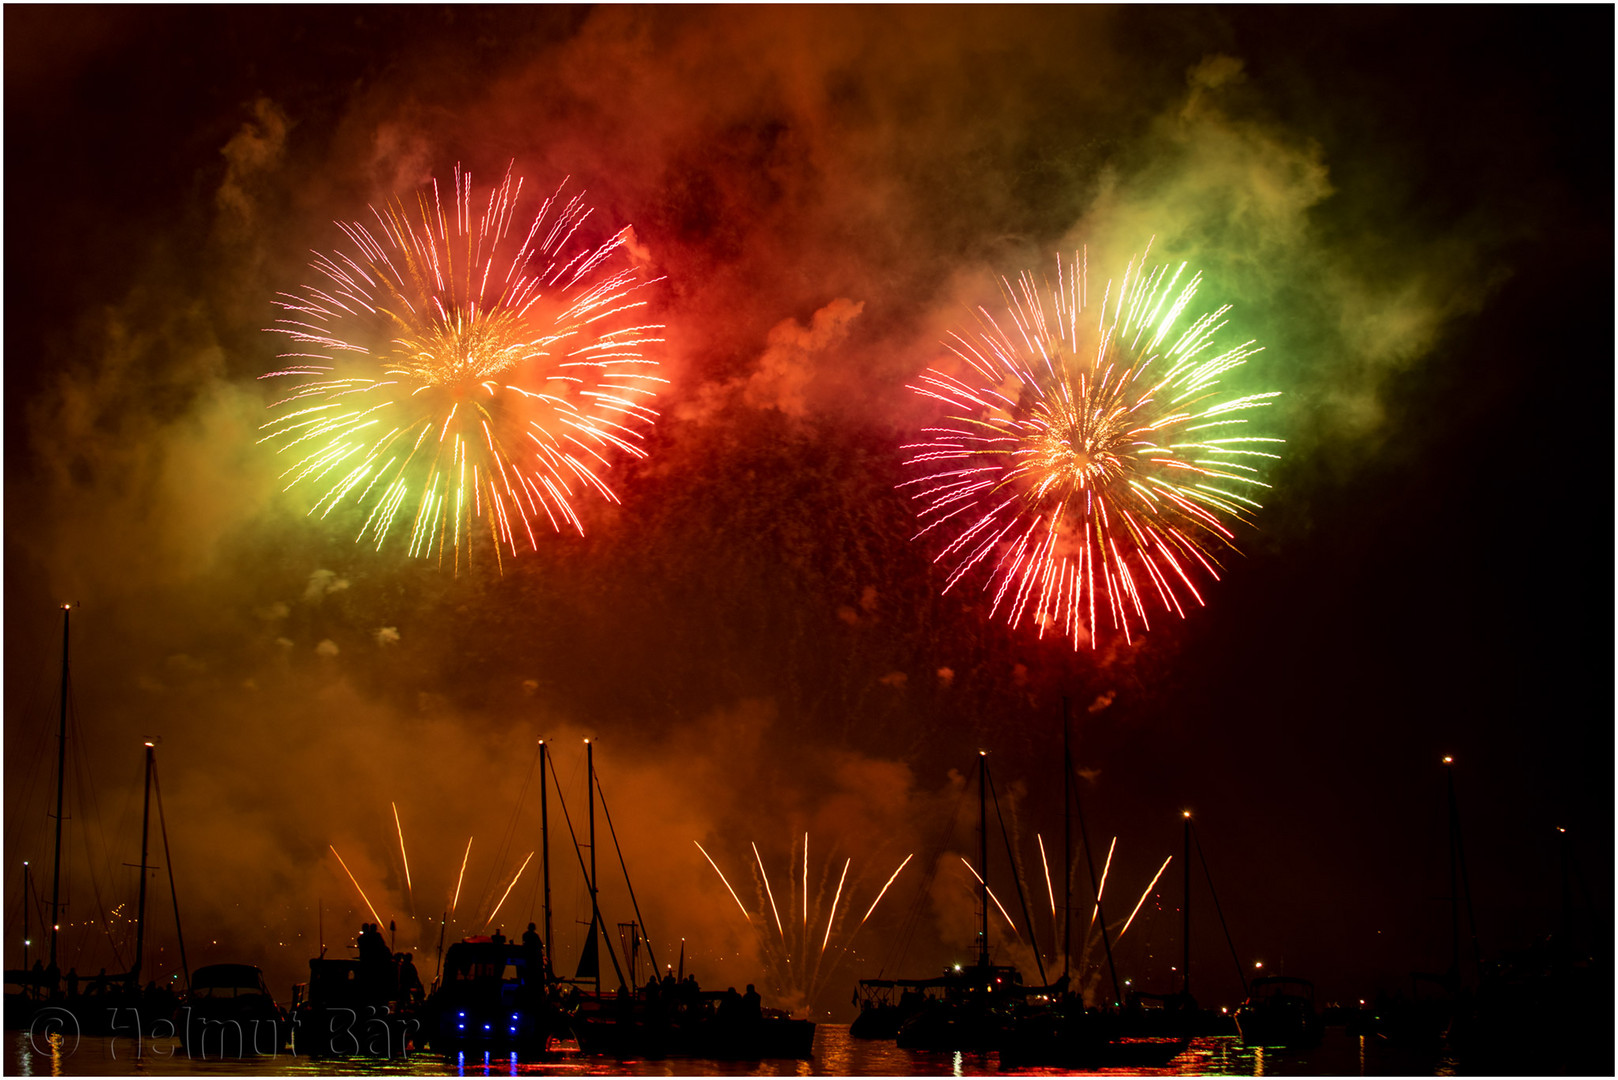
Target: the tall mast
pixel 140 910
pixel 61 773
pixel 1457 861
pixel 1067 846
pixel 1100 916
pixel 26 904
pixel 1185 927
pixel 545 851
pixel 983 858
pixel 595 907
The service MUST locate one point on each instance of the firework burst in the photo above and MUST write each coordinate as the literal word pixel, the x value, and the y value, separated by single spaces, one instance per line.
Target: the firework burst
pixel 460 371
pixel 1091 465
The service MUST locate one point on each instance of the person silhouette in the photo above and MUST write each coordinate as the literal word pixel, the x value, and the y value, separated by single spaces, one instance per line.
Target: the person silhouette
pixel 409 980
pixel 752 1005
pixel 533 950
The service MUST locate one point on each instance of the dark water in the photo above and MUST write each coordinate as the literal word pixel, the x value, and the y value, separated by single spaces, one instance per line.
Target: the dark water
pixel 835 1055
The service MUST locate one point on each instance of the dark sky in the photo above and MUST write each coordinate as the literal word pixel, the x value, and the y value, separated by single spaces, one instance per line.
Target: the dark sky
pixel 1410 209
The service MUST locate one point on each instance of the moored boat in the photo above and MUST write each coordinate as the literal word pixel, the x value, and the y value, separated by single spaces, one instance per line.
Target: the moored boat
pixel 1069 1036
pixel 493 993
pixel 230 1013
pixel 346 1008
pixel 1279 1011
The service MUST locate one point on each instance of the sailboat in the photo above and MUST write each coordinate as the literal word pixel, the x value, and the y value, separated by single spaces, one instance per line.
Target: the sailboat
pixel 494 993
pixel 1067 1034
pixel 970 1007
pixel 109 1004
pixel 668 1017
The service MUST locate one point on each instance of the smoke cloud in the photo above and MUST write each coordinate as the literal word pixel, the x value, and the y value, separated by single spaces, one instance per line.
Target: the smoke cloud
pixel 752 638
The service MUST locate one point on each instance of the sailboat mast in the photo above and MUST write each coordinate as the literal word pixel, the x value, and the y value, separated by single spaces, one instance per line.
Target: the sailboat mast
pixel 1185 925
pixel 1457 864
pixel 590 791
pixel 1067 846
pixel 545 850
pixel 61 774
pixel 26 899
pixel 983 858
pixel 140 910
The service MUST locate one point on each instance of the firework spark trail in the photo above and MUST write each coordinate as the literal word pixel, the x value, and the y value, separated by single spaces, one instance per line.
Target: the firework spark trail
pixel 357 888
pixel 832 918
pixel 410 889
pixel 884 891
pixel 1142 899
pixel 507 893
pixel 796 973
pixel 453 369
pixel 769 892
pixel 1102 888
pixel 1046 864
pixel 806 881
pixel 1076 459
pixel 993 897
pixel 461 876
pixel 722 877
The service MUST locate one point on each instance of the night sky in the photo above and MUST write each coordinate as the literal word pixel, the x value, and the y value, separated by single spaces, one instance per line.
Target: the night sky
pixel 1410 209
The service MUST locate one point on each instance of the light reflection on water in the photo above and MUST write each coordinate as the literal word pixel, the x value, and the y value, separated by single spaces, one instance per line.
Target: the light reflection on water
pixel 835 1055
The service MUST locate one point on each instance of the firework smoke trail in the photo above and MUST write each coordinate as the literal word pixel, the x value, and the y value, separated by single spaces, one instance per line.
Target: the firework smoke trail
pixel 1142 900
pixel 507 893
pixel 455 372
pixel 1095 465
pixel 357 888
pixel 461 876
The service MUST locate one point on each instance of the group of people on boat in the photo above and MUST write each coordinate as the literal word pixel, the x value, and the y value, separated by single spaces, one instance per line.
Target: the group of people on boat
pixel 387 975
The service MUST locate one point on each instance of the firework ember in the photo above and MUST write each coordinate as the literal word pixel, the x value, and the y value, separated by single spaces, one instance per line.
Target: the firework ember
pixel 1090 461
pixel 458 371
